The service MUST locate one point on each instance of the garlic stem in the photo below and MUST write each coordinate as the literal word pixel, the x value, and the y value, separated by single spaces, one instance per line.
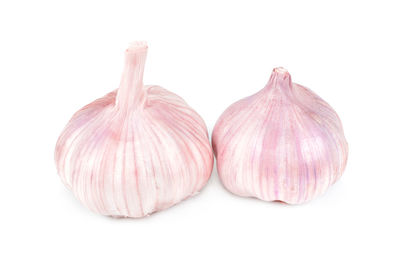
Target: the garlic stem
pixel 130 92
pixel 280 78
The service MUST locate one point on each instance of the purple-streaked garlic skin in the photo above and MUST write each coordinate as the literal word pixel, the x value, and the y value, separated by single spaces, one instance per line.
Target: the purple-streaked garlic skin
pixel 137 150
pixel 283 143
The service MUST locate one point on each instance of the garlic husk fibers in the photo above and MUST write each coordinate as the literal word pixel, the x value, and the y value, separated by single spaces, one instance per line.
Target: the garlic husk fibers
pixel 283 143
pixel 135 151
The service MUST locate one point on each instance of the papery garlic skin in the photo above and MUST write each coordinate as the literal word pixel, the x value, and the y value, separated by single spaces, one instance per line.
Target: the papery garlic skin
pixel 283 143
pixel 137 150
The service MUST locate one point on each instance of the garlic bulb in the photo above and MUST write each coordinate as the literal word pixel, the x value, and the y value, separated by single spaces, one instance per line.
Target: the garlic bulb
pixel 137 150
pixel 283 143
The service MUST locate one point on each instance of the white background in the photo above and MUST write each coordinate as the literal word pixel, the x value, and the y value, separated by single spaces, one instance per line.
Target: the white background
pixel 57 56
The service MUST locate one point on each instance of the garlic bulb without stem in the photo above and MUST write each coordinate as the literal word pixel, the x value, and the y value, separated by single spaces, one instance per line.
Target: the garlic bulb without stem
pixel 283 143
pixel 137 150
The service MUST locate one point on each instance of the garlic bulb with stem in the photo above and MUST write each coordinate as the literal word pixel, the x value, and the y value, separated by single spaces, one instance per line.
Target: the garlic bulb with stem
pixel 135 151
pixel 283 143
